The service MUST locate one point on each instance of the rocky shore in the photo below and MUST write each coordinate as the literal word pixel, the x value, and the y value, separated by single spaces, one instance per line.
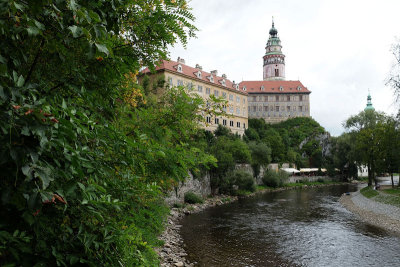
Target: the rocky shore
pixel 375 213
pixel 173 254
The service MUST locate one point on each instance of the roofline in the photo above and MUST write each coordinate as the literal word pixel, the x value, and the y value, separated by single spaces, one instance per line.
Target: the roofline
pixel 280 92
pixel 197 79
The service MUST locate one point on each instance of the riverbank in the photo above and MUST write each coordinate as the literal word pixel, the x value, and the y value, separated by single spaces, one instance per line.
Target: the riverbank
pixel 173 254
pixel 375 213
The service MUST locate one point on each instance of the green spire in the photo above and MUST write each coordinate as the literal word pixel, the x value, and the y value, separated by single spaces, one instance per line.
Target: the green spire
pixel 273 32
pixel 369 103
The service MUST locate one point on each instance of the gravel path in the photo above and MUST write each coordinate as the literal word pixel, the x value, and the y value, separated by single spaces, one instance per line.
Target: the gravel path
pixel 375 213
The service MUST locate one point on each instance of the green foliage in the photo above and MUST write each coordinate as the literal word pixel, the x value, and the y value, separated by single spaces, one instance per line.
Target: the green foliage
pixel 274 179
pixel 192 198
pixel 260 156
pixel 237 180
pixel 77 188
pixel 286 138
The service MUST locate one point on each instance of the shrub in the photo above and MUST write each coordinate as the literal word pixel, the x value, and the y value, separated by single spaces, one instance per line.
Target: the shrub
pixel 270 178
pixel 320 180
pixel 244 180
pixel 275 179
pixel 192 198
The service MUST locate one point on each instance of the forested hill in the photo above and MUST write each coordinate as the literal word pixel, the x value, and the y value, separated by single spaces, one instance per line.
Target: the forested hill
pixel 298 140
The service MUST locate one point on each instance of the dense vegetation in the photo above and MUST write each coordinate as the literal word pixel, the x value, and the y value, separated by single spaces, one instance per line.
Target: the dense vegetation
pixel 85 152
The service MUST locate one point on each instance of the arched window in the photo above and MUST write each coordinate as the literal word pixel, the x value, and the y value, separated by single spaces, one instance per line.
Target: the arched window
pixel 276 72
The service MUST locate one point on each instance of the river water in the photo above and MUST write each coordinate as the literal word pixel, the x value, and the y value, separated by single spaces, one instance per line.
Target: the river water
pixel 304 227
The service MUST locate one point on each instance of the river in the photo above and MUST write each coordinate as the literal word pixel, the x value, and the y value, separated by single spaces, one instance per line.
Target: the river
pixel 303 227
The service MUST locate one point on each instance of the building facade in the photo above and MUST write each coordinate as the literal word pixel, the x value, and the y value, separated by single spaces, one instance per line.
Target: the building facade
pixel 177 73
pixel 274 99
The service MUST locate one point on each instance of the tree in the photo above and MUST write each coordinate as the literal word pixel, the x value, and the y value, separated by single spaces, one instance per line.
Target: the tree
pixel 367 127
pixel 69 183
pixel 260 156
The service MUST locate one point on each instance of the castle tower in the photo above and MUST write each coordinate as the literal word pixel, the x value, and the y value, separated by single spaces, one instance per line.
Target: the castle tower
pixel 274 60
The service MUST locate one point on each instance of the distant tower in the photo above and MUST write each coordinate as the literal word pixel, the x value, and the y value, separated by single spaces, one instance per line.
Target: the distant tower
pixel 369 103
pixel 274 60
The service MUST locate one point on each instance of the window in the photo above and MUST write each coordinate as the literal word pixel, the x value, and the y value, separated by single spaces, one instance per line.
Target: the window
pixel 224 95
pixel 276 72
pixel 216 121
pixel 248 107
pixel 277 108
pixel 254 108
pixel 238 99
pixel 231 97
pixel 244 88
pixel 262 88
pixel 179 68
pixel 224 122
pixel 244 100
pixel 300 108
pixel 265 98
pixel 216 92
pixel 288 98
pixel 260 108
pixel 208 119
pixel 211 79
pixel 199 74
pixel 231 109
pixel 200 88
pixel 238 111
pixel 190 86
pixel 180 83
pixel 254 98
pixel 238 124
pixel 294 108
pixel 277 98
pixel 300 98
pixel 244 125
pixel 280 88
pixel 170 81
pixel 265 108
pixel 208 91
pixel 231 123
pixel 224 108
pixel 288 108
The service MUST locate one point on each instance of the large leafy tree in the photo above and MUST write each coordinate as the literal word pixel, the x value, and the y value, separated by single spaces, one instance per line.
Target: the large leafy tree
pixel 70 188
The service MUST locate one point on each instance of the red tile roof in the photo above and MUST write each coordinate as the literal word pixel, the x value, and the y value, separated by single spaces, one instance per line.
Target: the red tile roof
pixel 281 87
pixel 192 73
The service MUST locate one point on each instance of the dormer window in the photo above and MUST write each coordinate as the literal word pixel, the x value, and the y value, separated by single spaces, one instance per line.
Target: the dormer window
pixel 179 68
pixel 237 86
pixel 211 78
pixel 223 82
pixel 244 88
pixel 262 88
pixel 281 88
pixel 298 88
pixel 198 74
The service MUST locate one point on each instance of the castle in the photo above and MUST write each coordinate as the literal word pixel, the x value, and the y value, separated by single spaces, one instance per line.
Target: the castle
pixel 273 99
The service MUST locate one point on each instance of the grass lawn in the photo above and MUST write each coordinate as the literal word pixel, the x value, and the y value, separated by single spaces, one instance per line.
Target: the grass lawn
pixel 388 196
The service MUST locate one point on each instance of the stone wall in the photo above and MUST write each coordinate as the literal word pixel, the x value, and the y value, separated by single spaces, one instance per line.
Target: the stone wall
pixel 294 179
pixel 200 186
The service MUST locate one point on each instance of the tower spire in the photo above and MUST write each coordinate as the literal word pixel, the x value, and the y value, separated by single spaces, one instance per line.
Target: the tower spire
pixel 369 102
pixel 274 59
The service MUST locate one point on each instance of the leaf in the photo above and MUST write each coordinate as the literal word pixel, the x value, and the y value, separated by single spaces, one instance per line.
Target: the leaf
pixel 21 81
pixel 32 30
pixel 25 170
pixel 64 104
pixel 76 31
pixel 102 48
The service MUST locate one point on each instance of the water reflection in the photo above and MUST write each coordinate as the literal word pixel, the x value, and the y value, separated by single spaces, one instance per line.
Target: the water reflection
pixel 305 227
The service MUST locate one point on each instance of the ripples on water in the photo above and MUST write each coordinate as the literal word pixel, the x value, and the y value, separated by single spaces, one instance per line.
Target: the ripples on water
pixel 306 227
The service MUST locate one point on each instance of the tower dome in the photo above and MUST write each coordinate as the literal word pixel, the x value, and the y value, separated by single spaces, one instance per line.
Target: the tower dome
pixel 273 32
pixel 369 103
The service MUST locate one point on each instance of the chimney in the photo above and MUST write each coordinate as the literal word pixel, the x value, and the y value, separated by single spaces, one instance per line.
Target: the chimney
pixel 199 67
pixel 224 76
pixel 181 60
pixel 214 72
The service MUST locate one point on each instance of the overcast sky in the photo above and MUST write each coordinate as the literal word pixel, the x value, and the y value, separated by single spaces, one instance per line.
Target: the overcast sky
pixel 338 49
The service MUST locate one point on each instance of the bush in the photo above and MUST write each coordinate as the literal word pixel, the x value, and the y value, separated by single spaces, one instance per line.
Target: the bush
pixel 244 180
pixel 275 179
pixel 192 198
pixel 320 180
pixel 270 179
